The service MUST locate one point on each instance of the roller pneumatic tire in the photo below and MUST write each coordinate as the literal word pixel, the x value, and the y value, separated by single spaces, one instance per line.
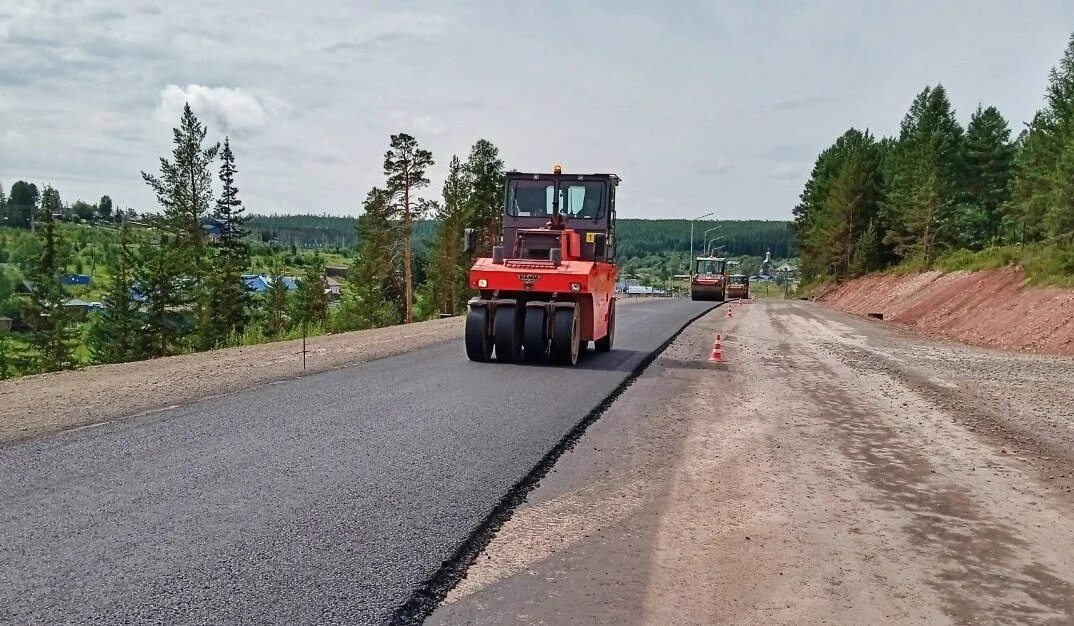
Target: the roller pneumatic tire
pixel 566 339
pixel 535 336
pixel 507 334
pixel 604 344
pixel 478 338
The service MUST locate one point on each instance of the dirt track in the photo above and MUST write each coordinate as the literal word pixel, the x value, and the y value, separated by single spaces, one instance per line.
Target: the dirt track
pixel 834 471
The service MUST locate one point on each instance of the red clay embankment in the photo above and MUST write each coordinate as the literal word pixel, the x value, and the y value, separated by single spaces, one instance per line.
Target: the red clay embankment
pixel 991 308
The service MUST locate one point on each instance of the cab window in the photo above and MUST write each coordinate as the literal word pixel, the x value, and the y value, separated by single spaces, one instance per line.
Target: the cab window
pixel 530 198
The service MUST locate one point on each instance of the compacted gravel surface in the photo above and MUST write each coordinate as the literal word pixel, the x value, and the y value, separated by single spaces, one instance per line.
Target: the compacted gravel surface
pixel 834 470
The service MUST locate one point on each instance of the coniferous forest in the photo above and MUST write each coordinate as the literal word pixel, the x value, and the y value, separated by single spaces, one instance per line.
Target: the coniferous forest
pixel 940 195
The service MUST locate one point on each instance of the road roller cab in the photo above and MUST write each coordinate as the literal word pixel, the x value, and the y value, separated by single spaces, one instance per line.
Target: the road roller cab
pixel 549 287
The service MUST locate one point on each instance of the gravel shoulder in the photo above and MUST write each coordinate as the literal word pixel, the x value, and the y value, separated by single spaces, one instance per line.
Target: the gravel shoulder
pixel 833 471
pixel 36 405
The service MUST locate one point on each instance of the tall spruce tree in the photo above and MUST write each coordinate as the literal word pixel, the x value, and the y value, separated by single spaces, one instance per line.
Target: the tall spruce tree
pixel 988 157
pixel 447 264
pixel 405 164
pixel 116 333
pixel 484 172
pixel 924 178
pixel 225 297
pixel 50 320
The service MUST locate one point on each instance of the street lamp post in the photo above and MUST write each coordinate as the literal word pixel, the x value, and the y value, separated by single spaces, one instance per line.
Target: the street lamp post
pixel 692 237
pixel 709 243
pixel 705 239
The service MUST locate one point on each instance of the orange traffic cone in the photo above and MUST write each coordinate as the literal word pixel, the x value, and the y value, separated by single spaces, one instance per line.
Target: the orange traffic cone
pixel 729 311
pixel 717 351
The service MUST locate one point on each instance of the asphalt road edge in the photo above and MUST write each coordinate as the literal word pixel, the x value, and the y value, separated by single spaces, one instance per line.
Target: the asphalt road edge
pixel 431 593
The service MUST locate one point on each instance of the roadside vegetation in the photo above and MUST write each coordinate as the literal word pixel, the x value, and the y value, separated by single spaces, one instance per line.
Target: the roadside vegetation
pixel 942 196
pixel 86 283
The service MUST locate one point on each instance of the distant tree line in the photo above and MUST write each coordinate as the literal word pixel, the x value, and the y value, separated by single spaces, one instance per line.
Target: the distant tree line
pixel 638 238
pixel 19 206
pixel 874 202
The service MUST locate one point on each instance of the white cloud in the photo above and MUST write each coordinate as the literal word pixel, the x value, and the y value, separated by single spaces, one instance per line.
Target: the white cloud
pixel 227 109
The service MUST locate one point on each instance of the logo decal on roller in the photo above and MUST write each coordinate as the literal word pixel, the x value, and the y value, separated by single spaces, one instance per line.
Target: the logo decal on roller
pixel 529 279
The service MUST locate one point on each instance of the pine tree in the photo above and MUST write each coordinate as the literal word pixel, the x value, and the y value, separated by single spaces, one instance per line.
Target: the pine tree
pixel 808 212
pixel 47 314
pixel 116 334
pixel 448 265
pixel 405 164
pixel 924 176
pixel 184 190
pixel 184 186
pixel 3 204
pixel 988 156
pixel 840 199
pixel 484 173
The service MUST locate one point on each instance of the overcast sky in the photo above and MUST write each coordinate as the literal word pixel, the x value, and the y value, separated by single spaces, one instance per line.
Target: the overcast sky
pixel 697 106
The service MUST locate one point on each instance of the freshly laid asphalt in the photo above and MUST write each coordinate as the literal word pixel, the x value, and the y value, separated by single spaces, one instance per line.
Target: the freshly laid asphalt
pixel 326 499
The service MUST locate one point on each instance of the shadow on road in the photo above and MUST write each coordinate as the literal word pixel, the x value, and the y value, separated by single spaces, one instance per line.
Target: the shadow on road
pixel 614 361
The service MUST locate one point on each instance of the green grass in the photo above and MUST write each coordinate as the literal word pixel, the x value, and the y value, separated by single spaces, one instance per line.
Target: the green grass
pixel 1044 264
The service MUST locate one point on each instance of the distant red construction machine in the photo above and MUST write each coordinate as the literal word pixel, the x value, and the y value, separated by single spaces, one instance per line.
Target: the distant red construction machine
pixel 549 287
pixel 708 281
